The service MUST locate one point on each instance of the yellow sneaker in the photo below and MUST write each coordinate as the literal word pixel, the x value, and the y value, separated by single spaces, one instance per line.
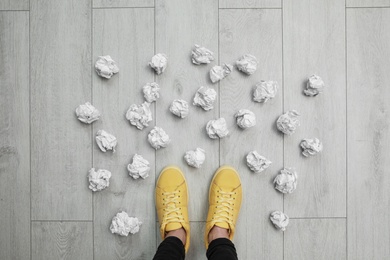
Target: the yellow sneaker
pixel 172 202
pixel 225 196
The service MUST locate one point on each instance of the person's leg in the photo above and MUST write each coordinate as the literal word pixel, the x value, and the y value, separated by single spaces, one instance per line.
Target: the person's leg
pixel 172 247
pixel 225 196
pixel 171 204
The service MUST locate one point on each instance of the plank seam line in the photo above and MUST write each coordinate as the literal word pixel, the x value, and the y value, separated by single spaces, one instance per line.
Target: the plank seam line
pixel 346 129
pixel 92 146
pixel 29 112
pixel 124 7
pixel 367 7
pixel 10 10
pixel 57 220
pixel 318 217
pixel 249 8
pixel 283 103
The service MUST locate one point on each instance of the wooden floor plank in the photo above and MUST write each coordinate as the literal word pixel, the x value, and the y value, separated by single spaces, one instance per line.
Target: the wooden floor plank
pixel 257 32
pixel 62 240
pixel 122 3
pixel 314 43
pixel 368 3
pixel 14 5
pixel 128 36
pixel 60 81
pixel 178 28
pixel 14 136
pixel 368 37
pixel 315 239
pixel 250 3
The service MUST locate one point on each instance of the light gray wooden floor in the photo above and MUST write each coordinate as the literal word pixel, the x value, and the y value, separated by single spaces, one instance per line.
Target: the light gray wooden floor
pixel 341 208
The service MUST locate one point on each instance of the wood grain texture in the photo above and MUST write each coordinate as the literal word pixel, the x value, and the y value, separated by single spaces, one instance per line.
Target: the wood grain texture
pixel 60 81
pixel 368 37
pixel 315 239
pixel 368 3
pixel 127 35
pixel 250 3
pixel 314 43
pixel 177 30
pixel 14 136
pixel 14 5
pixel 62 240
pixel 257 32
pixel 122 3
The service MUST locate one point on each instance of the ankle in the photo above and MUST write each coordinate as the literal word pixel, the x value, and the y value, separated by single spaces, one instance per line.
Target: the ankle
pixel 179 233
pixel 218 232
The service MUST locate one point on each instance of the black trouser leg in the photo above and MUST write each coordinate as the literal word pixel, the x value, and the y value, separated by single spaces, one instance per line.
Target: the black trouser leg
pixel 170 249
pixel 221 249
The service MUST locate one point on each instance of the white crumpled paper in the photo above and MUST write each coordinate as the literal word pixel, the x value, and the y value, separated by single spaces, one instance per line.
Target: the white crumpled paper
pixel 158 138
pixel 139 115
pixel 105 141
pixel 179 108
pixel 256 162
pixel 139 167
pixel 217 128
pixel 245 118
pixel 205 97
pixel 87 113
pixel 201 55
pixel 98 180
pixel 195 158
pixel 106 67
pixel 288 122
pixel 265 90
pixel 311 147
pixel 280 220
pixel 151 92
pixel 122 224
pixel 218 73
pixel 314 86
pixel 247 64
pixel 286 180
pixel 159 63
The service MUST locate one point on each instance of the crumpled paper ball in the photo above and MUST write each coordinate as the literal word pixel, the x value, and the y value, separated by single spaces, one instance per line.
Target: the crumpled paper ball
pixel 122 224
pixel 247 64
pixel 218 73
pixel 245 118
pixel 286 180
pixel 159 63
pixel 87 113
pixel 195 158
pixel 179 108
pixel 217 128
pixel 265 90
pixel 311 147
pixel 98 180
pixel 288 122
pixel 139 115
pixel 280 220
pixel 314 86
pixel 151 92
pixel 201 55
pixel 256 162
pixel 106 67
pixel 158 138
pixel 139 167
pixel 105 141
pixel 205 98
